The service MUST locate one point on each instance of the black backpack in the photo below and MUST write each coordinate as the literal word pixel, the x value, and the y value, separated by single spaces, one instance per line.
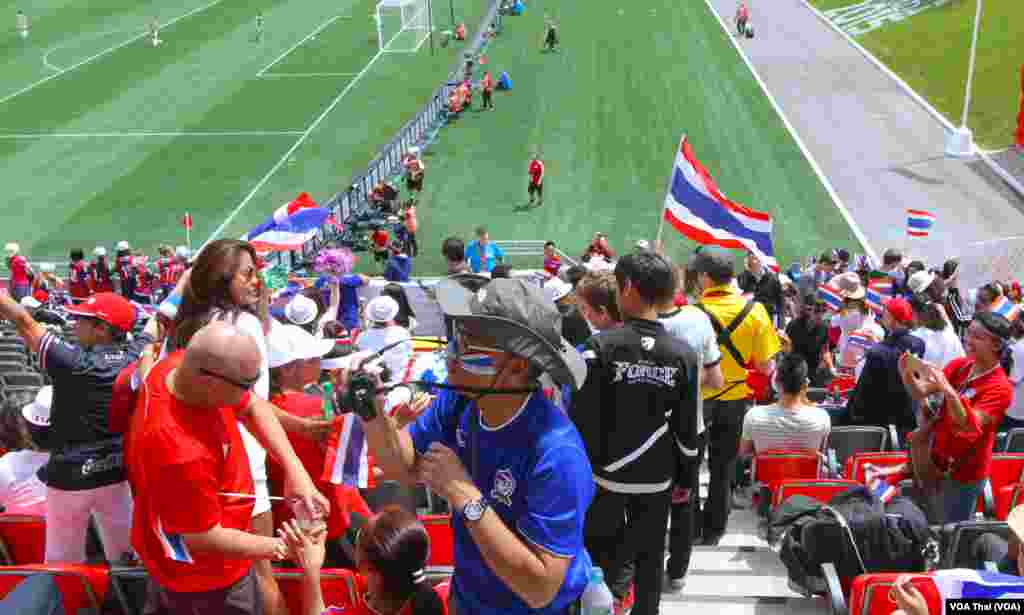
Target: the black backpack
pixel 857 534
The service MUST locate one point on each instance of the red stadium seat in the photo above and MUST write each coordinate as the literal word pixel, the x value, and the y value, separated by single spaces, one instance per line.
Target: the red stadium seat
pixel 1008 498
pixel 442 549
pixel 1007 470
pixel 81 586
pixel 821 489
pixel 339 587
pixel 855 465
pixel 772 467
pixel 22 539
pixel 869 594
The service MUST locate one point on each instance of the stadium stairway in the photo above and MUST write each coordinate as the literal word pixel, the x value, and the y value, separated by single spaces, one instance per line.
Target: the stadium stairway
pixel 739 576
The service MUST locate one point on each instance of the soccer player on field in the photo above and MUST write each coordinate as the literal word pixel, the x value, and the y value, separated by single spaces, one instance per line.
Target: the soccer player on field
pixel 259 26
pixel 22 24
pixel 154 31
pixel 488 91
pixel 414 169
pixel 536 186
pixel 550 35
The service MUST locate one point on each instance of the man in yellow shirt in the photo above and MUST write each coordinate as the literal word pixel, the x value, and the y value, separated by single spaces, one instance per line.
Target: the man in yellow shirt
pixel 748 341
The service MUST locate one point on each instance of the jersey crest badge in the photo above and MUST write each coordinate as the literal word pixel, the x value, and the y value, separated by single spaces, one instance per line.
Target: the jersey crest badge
pixel 504 486
pixel 647 343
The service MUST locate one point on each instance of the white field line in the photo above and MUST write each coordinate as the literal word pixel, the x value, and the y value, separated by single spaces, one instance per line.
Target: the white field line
pixel 302 139
pixel 268 75
pixel 150 133
pixel 46 56
pixel 106 51
pixel 297 144
pixel 318 29
pixel 836 200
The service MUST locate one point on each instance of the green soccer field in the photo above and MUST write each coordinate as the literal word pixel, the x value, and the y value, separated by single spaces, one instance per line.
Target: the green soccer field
pixel 105 137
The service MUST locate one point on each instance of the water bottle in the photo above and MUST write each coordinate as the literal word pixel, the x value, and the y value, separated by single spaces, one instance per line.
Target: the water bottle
pixel 597 598
pixel 328 407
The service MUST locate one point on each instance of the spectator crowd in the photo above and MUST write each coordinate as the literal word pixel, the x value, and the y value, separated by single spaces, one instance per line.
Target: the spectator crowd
pixel 233 428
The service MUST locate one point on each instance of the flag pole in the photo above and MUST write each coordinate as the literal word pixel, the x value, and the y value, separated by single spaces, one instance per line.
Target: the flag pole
pixel 668 188
pixel 188 232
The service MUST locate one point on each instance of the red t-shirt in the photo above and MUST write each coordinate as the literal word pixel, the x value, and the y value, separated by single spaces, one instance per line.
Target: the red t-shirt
pixel 536 172
pixel 78 280
pixel 166 271
pixel 380 239
pixel 180 459
pixel 344 499
pixel 968 450
pixel 99 276
pixel 19 270
pixel 488 83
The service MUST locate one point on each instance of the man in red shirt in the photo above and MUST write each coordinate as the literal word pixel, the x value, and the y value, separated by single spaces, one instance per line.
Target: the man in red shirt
pixel 488 91
pixel 414 170
pixel 165 270
pixel 78 276
pixel 536 186
pixel 189 472
pixel 379 240
pixel 21 273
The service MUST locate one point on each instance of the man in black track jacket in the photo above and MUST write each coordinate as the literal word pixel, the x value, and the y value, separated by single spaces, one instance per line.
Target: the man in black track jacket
pixel 637 413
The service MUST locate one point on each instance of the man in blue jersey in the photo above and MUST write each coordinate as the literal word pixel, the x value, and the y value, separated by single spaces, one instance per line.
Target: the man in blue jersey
pixel 511 465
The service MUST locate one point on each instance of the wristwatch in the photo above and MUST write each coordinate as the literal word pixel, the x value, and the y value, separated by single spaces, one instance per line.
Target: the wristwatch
pixel 474 510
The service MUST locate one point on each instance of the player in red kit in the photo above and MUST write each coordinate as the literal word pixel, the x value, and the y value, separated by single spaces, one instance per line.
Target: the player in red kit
pixel 165 270
pixel 78 276
pixel 536 187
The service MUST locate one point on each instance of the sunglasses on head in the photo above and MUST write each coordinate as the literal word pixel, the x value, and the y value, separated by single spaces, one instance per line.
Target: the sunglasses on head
pixel 245 385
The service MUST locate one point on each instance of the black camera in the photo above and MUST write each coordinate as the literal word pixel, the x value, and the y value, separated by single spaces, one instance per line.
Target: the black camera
pixel 362 389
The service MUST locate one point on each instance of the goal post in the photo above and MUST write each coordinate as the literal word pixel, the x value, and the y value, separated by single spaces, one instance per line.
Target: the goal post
pixel 402 25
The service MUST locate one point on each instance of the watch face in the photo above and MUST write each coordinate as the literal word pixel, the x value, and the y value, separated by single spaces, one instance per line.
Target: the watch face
pixel 473 510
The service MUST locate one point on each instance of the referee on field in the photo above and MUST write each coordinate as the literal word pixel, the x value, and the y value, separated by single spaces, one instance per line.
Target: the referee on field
pixel 637 413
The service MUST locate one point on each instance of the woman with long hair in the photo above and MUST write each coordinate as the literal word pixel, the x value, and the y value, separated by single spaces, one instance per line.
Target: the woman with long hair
pixel 391 553
pixel 224 284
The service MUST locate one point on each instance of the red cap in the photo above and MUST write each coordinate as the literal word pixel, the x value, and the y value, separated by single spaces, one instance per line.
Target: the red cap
pixel 111 308
pixel 900 310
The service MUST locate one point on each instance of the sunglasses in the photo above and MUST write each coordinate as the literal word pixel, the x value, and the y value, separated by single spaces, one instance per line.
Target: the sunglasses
pixel 245 385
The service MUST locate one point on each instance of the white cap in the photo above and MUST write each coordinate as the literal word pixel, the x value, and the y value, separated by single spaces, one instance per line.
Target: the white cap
pixel 29 302
pixel 920 281
pixel 100 251
pixel 181 252
pixel 381 309
pixel 555 289
pixel 301 310
pixel 123 245
pixel 38 412
pixel 11 249
pixel 47 267
pixel 287 343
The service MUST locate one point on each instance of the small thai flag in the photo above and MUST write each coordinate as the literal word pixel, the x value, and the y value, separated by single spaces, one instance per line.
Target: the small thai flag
pixel 919 222
pixel 877 293
pixel 174 545
pixel 1006 308
pixel 861 340
pixel 830 295
pixel 346 462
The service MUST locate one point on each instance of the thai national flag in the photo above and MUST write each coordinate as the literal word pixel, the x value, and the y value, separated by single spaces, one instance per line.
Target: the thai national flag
pixel 289 227
pixel 973 584
pixel 1006 308
pixel 877 293
pixel 698 210
pixel 830 295
pixel 861 340
pixel 174 545
pixel 919 222
pixel 347 462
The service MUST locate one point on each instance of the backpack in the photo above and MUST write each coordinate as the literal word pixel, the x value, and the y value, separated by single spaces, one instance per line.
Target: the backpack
pixel 857 534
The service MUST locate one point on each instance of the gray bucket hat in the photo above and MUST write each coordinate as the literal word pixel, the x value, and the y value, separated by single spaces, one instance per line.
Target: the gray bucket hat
pixel 521 321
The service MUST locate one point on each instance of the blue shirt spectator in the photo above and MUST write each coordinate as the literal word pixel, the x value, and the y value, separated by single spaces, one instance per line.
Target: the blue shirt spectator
pixel 482 254
pixel 540 479
pixel 398 268
pixel 348 310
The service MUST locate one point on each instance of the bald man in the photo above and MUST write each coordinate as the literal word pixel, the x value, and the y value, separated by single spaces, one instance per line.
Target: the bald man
pixel 190 475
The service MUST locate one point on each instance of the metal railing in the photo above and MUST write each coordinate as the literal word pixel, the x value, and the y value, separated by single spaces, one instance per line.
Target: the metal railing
pixel 351 207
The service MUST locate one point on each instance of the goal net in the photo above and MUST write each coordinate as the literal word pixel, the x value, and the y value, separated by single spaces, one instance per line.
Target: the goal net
pixel 402 25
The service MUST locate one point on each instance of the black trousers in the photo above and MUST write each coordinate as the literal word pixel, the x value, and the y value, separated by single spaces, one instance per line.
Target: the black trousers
pixel 683 522
pixel 622 529
pixel 724 420
pixel 993 548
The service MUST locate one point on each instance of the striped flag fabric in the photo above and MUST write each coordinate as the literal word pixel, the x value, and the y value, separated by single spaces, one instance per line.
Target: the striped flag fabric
pixel 695 207
pixel 290 226
pixel 975 584
pixel 919 222
pixel 347 462
pixel 879 291
pixel 174 545
pixel 861 339
pixel 1006 308
pixel 830 295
